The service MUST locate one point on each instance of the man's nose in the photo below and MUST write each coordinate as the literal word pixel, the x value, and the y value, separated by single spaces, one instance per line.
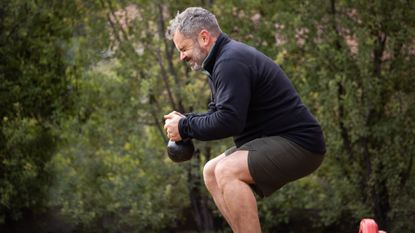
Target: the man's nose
pixel 182 56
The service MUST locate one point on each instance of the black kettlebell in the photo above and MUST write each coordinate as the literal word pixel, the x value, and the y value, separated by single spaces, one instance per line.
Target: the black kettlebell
pixel 180 151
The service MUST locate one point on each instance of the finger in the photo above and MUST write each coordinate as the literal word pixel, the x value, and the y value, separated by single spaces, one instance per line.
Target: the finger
pixel 169 116
pixel 176 138
pixel 173 138
pixel 166 123
pixel 173 114
pixel 177 113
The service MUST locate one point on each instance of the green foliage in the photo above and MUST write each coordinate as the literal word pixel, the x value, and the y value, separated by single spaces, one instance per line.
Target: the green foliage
pixel 109 171
pixel 33 87
pixel 84 86
pixel 342 57
pixel 24 182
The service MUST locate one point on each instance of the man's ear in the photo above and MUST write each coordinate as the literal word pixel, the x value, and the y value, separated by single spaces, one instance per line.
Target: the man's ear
pixel 204 38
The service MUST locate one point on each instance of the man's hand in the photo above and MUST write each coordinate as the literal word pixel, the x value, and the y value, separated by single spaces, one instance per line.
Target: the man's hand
pixel 171 125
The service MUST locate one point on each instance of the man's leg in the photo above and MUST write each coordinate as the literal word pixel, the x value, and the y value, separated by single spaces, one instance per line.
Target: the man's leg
pixel 212 186
pixel 233 179
pixel 227 179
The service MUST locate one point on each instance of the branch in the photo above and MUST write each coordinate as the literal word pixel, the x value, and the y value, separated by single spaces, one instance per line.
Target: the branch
pixel 167 45
pixel 116 27
pixel 169 58
pixel 406 174
pixel 165 80
pixel 343 129
pixel 340 88
pixel 154 114
pixel 378 53
pixel 116 19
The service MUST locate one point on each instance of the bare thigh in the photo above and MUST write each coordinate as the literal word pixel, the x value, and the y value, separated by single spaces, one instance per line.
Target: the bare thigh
pixel 209 170
pixel 236 165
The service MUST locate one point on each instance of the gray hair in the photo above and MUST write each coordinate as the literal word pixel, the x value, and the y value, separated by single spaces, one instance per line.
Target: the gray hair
pixel 191 21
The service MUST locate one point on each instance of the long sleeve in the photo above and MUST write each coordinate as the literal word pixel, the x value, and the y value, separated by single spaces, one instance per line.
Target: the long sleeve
pixel 231 90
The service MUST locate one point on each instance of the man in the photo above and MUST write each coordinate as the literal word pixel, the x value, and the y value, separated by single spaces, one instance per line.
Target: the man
pixel 277 140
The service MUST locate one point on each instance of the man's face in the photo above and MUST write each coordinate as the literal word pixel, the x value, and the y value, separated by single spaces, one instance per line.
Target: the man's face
pixel 190 51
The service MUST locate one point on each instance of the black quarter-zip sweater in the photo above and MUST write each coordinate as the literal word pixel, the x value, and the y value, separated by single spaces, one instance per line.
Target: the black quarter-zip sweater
pixel 251 98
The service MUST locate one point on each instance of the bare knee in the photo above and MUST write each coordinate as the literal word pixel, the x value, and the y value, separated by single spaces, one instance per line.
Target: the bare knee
pixel 209 174
pixel 224 173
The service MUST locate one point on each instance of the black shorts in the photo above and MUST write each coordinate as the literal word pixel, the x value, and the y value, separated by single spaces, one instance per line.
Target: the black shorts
pixel 275 161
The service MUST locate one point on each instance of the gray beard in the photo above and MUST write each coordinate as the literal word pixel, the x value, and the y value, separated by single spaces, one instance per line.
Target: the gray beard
pixel 199 56
pixel 197 67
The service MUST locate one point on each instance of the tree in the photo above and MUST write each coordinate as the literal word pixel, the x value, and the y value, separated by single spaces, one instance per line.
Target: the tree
pixel 145 52
pixel 84 86
pixel 33 88
pixel 352 62
pixel 140 68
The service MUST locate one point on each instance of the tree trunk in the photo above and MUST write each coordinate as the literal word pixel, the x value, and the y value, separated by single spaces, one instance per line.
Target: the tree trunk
pixel 203 215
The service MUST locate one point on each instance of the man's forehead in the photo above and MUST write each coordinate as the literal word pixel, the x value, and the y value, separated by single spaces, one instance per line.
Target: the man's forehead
pixel 180 40
pixel 177 36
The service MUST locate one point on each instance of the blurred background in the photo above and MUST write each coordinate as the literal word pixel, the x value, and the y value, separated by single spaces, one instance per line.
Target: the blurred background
pixel 84 86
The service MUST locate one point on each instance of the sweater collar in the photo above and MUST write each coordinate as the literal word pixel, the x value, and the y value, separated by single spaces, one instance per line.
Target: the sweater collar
pixel 210 60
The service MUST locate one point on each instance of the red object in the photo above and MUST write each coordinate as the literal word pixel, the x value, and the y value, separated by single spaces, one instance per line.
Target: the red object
pixel 368 225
